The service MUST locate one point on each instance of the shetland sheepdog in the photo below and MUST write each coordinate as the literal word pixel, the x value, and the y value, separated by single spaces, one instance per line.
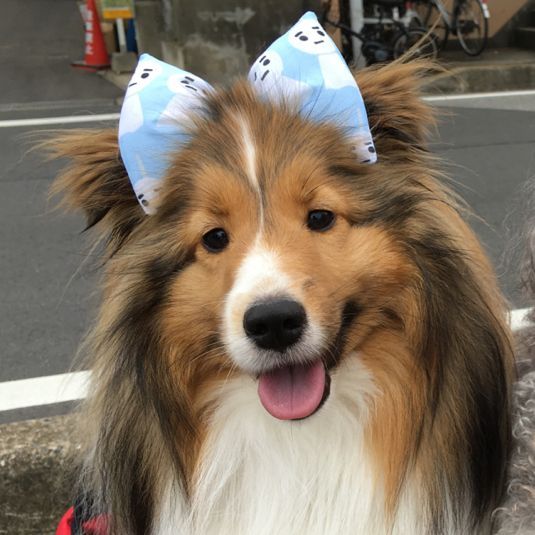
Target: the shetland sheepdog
pixel 294 343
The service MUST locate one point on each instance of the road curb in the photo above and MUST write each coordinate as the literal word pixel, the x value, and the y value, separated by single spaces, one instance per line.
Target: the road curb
pixel 483 78
pixel 459 78
pixel 119 80
pixel 36 474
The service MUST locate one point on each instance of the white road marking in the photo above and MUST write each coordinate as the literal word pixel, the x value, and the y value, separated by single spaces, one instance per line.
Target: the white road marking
pixel 468 96
pixel 13 123
pixel 73 386
pixel 68 104
pixel 43 390
pixel 69 119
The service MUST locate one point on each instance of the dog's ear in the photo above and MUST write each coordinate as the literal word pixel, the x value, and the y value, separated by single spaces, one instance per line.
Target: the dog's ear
pixel 398 117
pixel 95 181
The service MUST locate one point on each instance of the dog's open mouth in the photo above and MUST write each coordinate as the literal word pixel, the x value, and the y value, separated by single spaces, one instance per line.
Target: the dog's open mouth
pixel 294 392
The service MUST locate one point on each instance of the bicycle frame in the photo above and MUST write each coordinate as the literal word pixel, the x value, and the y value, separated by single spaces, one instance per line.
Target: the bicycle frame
pixel 450 18
pixel 388 44
pixel 347 29
pixel 444 12
pixel 407 18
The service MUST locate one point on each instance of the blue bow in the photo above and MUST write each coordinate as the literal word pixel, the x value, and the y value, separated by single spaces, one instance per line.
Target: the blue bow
pixel 303 64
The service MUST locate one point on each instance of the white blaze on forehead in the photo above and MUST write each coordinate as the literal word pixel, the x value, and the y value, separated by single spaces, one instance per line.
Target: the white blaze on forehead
pixel 259 275
pixel 249 153
pixel 249 160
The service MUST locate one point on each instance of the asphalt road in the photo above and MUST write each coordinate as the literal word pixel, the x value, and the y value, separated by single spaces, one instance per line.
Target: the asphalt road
pixel 38 41
pixel 48 280
pixel 45 298
pixel 47 277
pixel 489 147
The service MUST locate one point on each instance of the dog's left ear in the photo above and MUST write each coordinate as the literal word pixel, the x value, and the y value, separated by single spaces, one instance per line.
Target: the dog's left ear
pixel 95 181
pixel 398 117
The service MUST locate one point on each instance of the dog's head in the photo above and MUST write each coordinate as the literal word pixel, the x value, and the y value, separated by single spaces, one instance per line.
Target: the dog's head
pixel 273 254
pixel 271 248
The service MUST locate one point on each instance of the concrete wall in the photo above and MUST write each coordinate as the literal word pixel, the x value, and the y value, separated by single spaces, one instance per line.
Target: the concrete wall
pixel 502 11
pixel 219 39
pixel 37 467
pixel 215 39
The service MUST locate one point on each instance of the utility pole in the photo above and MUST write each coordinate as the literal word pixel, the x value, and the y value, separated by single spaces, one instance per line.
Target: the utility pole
pixel 356 18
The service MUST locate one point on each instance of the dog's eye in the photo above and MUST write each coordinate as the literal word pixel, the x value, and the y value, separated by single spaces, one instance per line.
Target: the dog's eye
pixel 215 240
pixel 320 220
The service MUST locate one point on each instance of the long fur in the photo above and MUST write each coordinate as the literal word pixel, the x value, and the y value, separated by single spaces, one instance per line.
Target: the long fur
pixel 516 514
pixel 415 436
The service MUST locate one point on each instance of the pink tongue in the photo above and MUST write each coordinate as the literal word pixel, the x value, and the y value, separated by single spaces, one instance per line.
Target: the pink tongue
pixel 292 392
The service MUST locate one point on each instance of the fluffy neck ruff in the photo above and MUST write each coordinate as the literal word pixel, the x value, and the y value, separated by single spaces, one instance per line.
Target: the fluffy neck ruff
pixel 264 476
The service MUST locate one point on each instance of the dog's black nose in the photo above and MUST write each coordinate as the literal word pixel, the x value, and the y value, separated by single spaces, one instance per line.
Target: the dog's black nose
pixel 275 324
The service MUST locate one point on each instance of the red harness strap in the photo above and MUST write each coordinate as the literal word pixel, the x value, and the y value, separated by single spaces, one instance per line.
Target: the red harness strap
pixel 65 524
pixel 93 526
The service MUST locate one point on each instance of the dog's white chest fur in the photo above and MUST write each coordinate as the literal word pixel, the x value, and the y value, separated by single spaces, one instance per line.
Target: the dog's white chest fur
pixel 261 476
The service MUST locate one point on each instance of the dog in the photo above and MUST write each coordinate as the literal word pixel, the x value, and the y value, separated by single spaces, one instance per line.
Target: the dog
pixel 516 514
pixel 293 342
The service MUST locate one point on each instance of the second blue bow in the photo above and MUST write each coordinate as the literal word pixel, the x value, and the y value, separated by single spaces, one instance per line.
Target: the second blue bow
pixel 304 65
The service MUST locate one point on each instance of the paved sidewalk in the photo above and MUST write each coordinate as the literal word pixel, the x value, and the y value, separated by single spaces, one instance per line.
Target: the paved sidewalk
pixel 38 41
pixel 495 70
pixel 489 57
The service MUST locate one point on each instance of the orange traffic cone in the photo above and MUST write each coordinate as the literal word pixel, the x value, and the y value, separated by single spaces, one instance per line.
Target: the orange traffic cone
pixel 96 56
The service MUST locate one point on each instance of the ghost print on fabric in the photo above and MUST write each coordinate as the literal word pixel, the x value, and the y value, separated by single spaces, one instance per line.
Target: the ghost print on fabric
pixel 304 65
pixel 154 120
pixel 267 78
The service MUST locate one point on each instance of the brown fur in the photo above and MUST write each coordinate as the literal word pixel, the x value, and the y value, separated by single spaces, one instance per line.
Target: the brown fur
pixel 400 277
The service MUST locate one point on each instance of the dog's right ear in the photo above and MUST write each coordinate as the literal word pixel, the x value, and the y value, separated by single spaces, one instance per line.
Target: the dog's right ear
pixel 399 119
pixel 95 181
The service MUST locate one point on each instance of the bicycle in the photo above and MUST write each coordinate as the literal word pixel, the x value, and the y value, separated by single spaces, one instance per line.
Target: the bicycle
pixel 386 38
pixel 391 11
pixel 468 20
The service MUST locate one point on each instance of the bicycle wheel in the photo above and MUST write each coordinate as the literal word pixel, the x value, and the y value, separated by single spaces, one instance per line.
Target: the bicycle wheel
pixel 472 25
pixel 418 42
pixel 434 21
